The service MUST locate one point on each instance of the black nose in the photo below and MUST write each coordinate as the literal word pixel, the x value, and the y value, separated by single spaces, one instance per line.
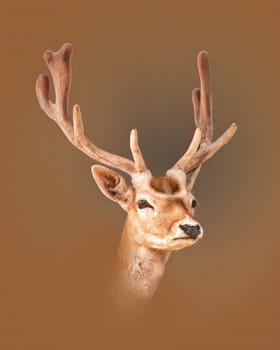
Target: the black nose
pixel 191 231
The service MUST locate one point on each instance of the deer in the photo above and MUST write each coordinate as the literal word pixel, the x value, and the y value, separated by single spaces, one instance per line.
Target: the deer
pixel 160 209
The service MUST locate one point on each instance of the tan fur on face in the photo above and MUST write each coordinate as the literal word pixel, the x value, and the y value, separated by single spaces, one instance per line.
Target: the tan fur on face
pixel 164 215
pixel 158 226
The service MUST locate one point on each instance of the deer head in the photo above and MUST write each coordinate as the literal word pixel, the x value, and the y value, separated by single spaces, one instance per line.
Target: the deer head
pixel 160 209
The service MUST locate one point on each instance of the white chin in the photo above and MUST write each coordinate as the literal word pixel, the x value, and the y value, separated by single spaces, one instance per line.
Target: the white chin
pixel 154 242
pixel 175 244
pixel 182 243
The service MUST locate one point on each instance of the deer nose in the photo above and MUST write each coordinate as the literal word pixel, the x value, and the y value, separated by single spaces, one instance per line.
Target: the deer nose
pixel 191 230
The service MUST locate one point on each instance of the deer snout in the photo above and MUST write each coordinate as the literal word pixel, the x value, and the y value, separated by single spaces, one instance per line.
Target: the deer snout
pixel 191 230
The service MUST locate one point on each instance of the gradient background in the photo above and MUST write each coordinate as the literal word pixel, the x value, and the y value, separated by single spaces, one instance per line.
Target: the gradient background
pixel 135 66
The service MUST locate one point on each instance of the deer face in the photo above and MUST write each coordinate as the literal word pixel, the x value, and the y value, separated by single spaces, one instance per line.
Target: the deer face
pixel 161 209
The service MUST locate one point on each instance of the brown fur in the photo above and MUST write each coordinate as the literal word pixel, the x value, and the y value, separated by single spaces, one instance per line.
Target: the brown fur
pixel 164 184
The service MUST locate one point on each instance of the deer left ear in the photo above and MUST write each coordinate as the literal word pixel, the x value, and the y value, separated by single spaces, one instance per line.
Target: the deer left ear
pixel 111 184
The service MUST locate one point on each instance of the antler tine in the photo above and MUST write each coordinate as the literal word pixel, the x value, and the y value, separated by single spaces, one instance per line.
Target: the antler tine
pixel 94 152
pixel 59 64
pixel 196 106
pixel 205 110
pixel 139 161
pixel 190 151
pixel 204 153
pixel 197 154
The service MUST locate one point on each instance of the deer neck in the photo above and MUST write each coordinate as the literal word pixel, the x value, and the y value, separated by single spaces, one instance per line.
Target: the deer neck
pixel 140 268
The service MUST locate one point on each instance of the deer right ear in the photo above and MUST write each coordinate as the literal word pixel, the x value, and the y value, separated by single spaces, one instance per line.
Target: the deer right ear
pixel 111 184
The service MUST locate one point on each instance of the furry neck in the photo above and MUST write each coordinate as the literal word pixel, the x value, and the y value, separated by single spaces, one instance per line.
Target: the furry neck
pixel 140 268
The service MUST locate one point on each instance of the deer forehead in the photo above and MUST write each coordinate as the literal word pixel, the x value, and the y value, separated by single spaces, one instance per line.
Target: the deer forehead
pixel 170 186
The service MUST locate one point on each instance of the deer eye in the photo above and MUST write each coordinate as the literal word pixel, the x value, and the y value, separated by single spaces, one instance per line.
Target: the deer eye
pixel 194 203
pixel 142 203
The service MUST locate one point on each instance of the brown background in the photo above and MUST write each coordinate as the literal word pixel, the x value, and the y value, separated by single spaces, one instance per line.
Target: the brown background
pixel 134 66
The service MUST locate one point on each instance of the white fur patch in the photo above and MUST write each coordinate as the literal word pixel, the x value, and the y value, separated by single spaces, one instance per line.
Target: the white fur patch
pixel 140 180
pixel 146 213
pixel 178 174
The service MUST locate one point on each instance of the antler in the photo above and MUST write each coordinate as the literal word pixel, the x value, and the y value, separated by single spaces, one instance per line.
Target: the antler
pixel 202 148
pixel 59 64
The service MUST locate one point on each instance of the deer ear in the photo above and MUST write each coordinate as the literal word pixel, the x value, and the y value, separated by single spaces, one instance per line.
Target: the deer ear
pixel 111 184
